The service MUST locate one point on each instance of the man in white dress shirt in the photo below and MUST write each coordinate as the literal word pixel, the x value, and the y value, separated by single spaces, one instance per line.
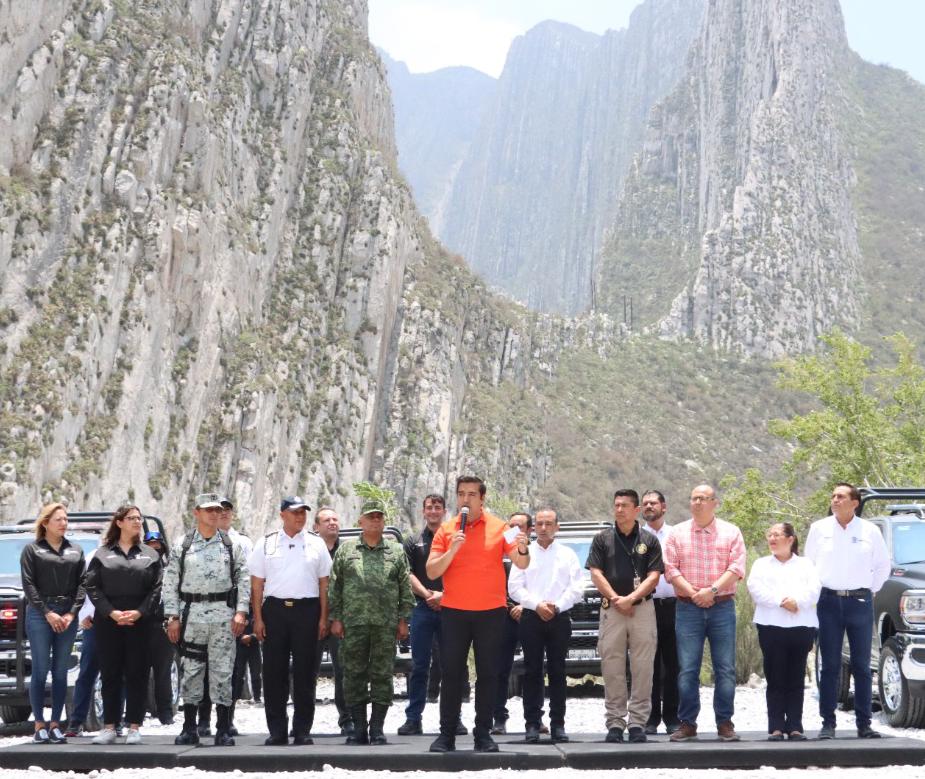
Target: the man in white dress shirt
pixel 665 670
pixel 547 588
pixel 853 563
pixel 289 585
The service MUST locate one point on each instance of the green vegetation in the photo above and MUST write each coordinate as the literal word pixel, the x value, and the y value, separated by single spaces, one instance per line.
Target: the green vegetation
pixel 369 491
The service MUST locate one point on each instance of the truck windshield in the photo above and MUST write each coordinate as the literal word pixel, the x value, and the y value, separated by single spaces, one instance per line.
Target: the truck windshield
pixel 909 542
pixel 581 547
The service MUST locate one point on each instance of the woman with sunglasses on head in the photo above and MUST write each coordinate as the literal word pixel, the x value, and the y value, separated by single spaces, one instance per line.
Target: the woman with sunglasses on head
pixel 785 588
pixel 52 569
pixel 124 582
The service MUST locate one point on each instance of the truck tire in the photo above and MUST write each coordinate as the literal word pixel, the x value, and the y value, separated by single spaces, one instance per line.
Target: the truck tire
pixel 900 709
pixel 13 714
pixel 95 714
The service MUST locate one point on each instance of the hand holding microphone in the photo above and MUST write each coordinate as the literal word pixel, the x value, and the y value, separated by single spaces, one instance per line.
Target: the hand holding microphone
pixel 459 537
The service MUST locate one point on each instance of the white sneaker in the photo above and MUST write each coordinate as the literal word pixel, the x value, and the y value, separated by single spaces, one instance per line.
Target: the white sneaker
pixel 105 736
pixel 133 737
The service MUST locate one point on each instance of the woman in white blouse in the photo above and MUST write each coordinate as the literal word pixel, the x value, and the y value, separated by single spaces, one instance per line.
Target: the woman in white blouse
pixel 785 588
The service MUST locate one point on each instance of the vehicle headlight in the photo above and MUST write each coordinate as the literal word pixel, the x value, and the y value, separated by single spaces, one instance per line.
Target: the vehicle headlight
pixel 912 607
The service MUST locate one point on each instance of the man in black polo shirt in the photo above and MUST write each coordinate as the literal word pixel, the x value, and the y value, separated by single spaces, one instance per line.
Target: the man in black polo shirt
pixel 625 564
pixel 425 619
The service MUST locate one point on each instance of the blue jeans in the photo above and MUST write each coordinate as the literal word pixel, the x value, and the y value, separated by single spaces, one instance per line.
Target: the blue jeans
pixel 425 624
pixel 693 626
pixel 86 679
pixel 49 650
pixel 839 616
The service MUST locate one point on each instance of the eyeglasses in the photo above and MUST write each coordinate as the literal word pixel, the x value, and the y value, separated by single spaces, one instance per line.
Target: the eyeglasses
pixel 702 499
pixel 132 518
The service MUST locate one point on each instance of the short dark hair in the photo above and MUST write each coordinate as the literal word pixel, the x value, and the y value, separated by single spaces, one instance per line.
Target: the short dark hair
pixel 547 509
pixel 852 490
pixel 661 497
pixel 522 514
pixel 434 496
pixel 627 494
pixel 471 480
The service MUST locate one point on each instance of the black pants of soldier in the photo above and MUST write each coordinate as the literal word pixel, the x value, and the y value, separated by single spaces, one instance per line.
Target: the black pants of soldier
pixel 246 658
pixel 665 670
pixel 332 644
pixel 549 639
pixel 124 654
pixel 292 632
pixel 484 631
pixel 163 654
pixel 510 639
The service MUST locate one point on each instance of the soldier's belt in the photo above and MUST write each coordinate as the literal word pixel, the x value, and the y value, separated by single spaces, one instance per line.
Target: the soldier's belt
pixel 206 597
pixel 290 602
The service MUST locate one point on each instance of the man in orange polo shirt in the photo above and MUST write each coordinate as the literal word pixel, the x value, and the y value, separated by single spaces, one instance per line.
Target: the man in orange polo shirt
pixel 474 607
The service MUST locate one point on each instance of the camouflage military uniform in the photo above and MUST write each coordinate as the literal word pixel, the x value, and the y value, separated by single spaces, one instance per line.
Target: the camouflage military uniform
pixel 208 624
pixel 369 591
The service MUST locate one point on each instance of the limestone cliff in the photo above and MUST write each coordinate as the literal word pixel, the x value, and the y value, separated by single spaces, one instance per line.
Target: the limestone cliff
pixel 538 187
pixel 736 226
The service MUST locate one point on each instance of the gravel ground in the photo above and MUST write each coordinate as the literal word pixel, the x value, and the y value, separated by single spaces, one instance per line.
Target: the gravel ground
pixel 585 715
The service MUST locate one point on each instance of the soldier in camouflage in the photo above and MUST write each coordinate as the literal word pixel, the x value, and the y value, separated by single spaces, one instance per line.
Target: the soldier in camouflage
pixel 206 593
pixel 370 602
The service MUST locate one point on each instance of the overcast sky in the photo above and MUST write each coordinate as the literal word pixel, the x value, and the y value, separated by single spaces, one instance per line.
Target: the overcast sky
pixel 431 34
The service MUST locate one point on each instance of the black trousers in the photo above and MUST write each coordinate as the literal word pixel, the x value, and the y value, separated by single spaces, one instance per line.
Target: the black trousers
pixel 332 644
pixel 246 658
pixel 124 653
pixel 549 639
pixel 292 632
pixel 785 651
pixel 505 666
pixel 162 656
pixel 665 671
pixel 483 630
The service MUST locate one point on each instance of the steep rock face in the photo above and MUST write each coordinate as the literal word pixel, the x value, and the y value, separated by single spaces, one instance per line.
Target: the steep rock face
pixel 736 227
pixel 540 182
pixel 202 251
pixel 437 115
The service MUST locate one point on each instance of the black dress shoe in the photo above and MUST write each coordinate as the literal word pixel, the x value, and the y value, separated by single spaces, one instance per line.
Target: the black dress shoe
pixel 651 730
pixel 443 744
pixel 275 741
pixel 614 736
pixel 302 740
pixel 411 728
pixel 485 743
pixel 826 732
pixel 867 732
pixel 533 734
pixel 558 734
pixel 461 730
pixel 499 728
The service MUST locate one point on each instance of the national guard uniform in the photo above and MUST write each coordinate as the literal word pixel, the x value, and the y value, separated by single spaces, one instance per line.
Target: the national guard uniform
pixel 369 591
pixel 205 583
pixel 293 564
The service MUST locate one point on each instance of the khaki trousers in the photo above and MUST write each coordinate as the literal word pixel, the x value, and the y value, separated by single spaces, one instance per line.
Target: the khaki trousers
pixel 638 635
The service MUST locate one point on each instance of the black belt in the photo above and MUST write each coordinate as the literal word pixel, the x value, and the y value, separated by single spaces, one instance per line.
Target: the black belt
pixel 665 601
pixel 858 593
pixel 205 597
pixel 290 602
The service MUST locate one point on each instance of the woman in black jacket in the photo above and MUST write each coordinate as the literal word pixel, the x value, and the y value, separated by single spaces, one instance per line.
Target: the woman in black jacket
pixel 124 582
pixel 52 569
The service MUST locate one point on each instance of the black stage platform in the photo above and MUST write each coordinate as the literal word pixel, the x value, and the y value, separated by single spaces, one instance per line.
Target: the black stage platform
pixel 588 751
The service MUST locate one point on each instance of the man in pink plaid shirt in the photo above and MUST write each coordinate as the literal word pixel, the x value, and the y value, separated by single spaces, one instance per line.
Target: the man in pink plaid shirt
pixel 704 560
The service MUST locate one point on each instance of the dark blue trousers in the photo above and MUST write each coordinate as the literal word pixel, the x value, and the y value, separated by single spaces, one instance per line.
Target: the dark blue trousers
pixel 425 625
pixel 854 617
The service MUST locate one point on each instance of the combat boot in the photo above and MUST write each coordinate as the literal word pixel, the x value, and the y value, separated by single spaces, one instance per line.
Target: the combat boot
pixel 222 736
pixel 188 736
pixel 359 735
pixel 232 730
pixel 376 723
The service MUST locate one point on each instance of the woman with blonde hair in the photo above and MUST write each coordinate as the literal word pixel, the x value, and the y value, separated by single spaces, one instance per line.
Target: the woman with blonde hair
pixel 124 582
pixel 52 568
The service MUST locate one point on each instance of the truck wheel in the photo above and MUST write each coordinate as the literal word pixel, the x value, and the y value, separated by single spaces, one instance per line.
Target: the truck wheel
pixel 13 714
pixel 900 709
pixel 95 714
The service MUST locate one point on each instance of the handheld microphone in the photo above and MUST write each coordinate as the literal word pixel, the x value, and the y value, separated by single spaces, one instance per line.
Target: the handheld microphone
pixel 464 517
